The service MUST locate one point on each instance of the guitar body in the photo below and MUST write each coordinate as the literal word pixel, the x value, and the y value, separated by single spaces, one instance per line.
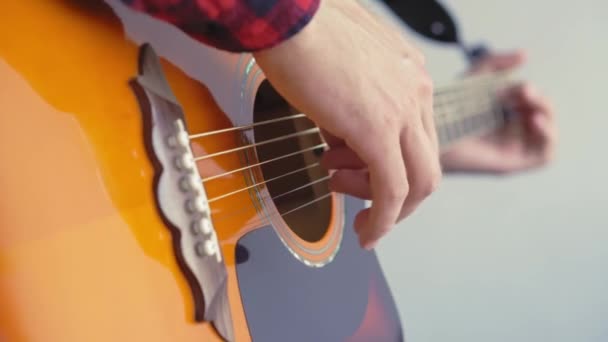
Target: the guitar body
pixel 89 250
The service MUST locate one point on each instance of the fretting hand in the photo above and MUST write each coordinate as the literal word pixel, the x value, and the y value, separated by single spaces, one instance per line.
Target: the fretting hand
pixel 512 148
pixel 367 88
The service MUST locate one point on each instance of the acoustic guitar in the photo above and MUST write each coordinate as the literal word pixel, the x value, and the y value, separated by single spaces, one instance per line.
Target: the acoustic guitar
pixel 154 189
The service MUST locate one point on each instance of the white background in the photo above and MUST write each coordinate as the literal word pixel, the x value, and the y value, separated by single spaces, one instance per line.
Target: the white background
pixel 522 258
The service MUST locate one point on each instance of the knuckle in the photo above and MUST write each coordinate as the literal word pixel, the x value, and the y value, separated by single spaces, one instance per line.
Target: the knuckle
pixel 385 230
pixel 427 80
pixel 386 124
pixel 430 185
pixel 528 89
pixel 429 188
pixel 398 192
pixel 435 181
pixel 391 121
pixel 426 190
pixel 380 125
pixel 426 86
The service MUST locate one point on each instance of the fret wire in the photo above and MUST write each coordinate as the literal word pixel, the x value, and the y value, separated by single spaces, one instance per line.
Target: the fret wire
pixel 485 121
pixel 448 133
pixel 455 86
pixel 454 93
pixel 443 98
pixel 456 98
pixel 497 110
pixel 456 128
pixel 446 114
pixel 455 109
pixel 471 107
pixel 474 90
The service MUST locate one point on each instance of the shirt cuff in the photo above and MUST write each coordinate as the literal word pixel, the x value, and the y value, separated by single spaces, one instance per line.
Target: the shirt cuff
pixel 233 25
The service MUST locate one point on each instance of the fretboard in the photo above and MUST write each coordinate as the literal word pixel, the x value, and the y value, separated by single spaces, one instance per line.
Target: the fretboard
pixel 469 107
pixel 465 108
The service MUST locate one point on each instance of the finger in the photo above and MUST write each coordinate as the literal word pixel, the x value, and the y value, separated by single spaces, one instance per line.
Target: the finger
pixel 351 182
pixel 330 139
pixel 428 118
pixel 424 171
pixel 341 157
pixel 361 220
pixel 545 131
pixel 526 100
pixel 534 101
pixel 540 125
pixel 388 181
pixel 500 62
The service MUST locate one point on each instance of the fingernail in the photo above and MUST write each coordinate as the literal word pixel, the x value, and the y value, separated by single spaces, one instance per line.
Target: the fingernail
pixel 369 245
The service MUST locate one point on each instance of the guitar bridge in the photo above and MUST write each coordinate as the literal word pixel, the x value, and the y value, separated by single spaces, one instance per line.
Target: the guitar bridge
pixel 180 195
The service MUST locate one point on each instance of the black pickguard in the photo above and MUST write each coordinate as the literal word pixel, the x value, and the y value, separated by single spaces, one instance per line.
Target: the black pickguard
pixel 285 300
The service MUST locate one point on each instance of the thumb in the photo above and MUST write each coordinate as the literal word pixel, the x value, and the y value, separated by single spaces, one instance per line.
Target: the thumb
pixel 504 61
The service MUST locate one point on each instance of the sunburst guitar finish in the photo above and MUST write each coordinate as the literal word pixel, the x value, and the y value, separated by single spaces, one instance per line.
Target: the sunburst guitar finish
pixel 154 189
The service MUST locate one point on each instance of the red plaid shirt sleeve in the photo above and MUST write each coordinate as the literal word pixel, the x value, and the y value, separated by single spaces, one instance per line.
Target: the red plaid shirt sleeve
pixel 233 25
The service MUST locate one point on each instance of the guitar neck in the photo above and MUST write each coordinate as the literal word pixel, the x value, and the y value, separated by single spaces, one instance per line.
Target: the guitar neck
pixel 468 108
pixel 465 108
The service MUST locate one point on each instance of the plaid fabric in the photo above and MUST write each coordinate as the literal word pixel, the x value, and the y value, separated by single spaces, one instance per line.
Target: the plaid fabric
pixel 233 25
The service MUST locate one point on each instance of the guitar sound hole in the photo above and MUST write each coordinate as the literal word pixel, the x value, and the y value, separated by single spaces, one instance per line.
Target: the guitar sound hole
pixel 312 220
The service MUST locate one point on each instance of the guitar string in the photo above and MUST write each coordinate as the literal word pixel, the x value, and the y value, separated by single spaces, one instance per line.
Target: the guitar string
pixel 469 96
pixel 261 143
pixel 488 113
pixel 246 127
pixel 440 107
pixel 442 93
pixel 472 81
pixel 312 131
pixel 226 214
pixel 481 124
pixel 283 175
pixel 446 114
pixel 219 216
pixel 439 128
pixel 267 218
pixel 454 116
pixel 304 150
pixel 479 109
pixel 223 215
